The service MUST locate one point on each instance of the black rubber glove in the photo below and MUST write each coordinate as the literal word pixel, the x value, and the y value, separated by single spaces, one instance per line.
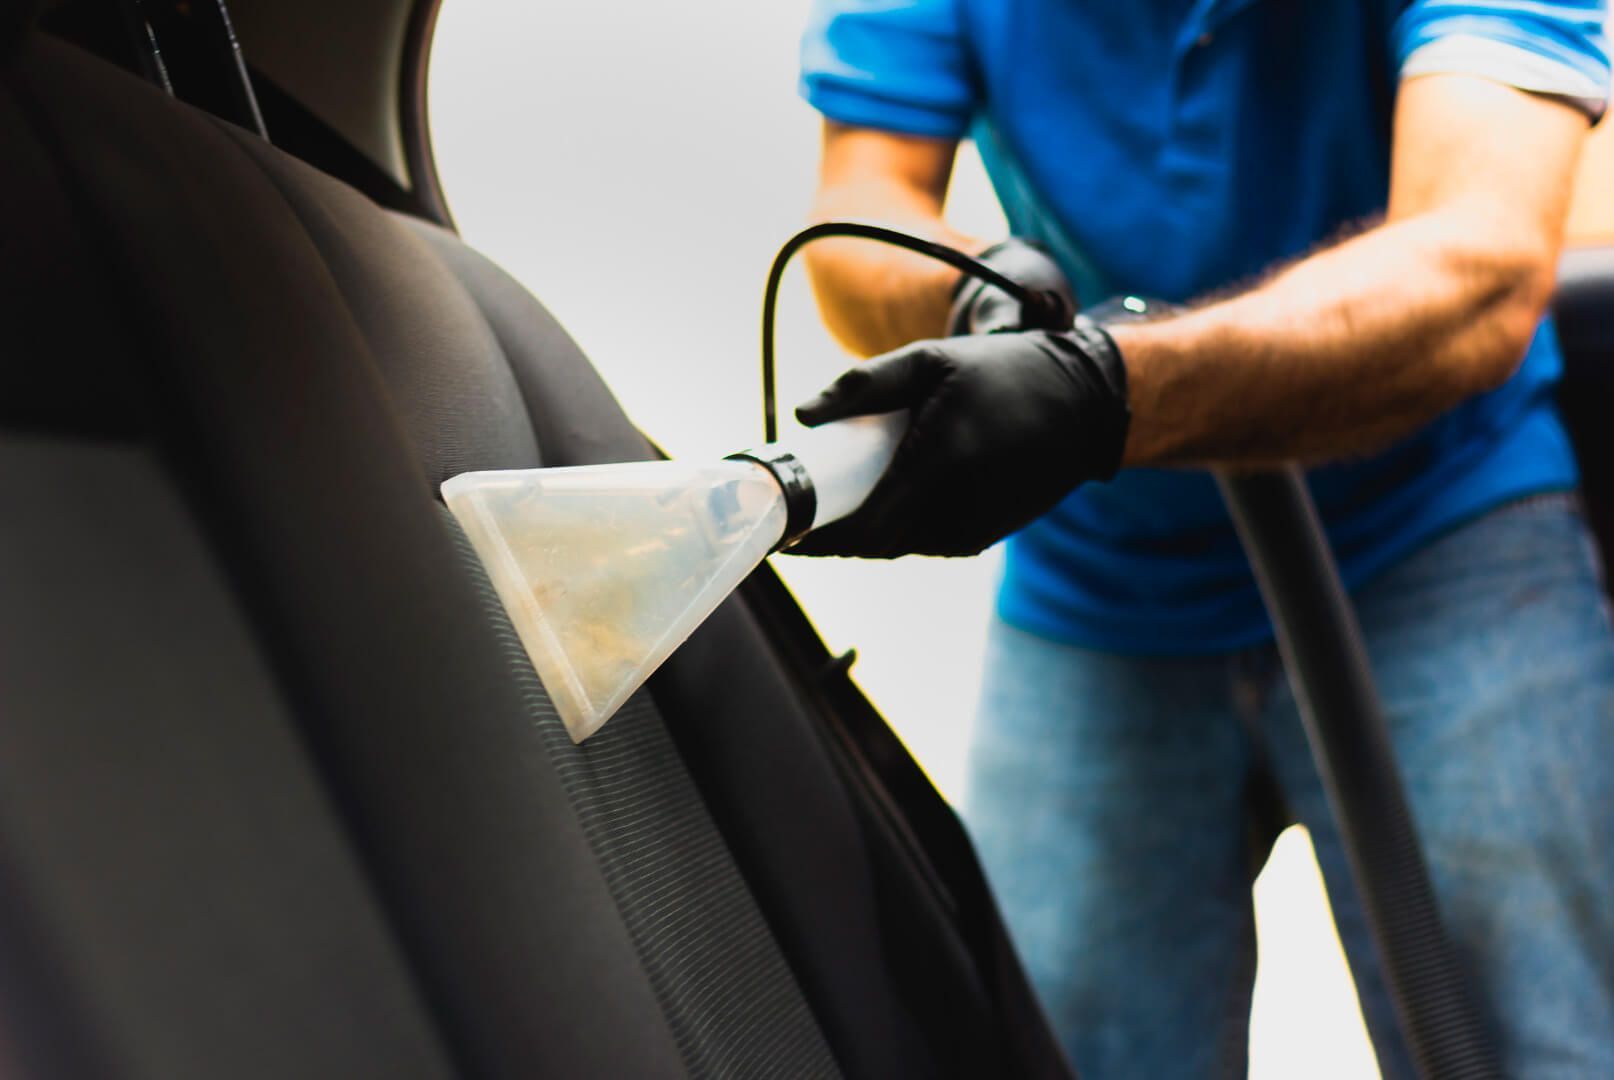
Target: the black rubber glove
pixel 979 308
pixel 1003 426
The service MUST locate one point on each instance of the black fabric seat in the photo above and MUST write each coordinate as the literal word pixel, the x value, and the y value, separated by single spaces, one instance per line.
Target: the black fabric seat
pixel 279 794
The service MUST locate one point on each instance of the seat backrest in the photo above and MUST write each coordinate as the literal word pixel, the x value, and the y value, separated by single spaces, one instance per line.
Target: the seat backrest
pixel 281 795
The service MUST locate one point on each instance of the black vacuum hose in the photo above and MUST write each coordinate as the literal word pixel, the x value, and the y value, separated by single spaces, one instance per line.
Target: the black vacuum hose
pixel 1350 742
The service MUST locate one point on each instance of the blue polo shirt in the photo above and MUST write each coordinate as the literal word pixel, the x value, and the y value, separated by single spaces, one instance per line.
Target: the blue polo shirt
pixel 1171 148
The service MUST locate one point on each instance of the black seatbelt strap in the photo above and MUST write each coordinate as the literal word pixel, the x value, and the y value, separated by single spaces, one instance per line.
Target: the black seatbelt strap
pixel 189 48
pixel 143 43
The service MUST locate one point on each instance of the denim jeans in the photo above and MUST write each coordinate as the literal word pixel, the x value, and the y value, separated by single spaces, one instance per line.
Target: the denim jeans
pixel 1109 796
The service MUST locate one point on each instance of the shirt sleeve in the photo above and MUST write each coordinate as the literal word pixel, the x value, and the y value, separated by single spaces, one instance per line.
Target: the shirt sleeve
pixel 1556 47
pixel 889 64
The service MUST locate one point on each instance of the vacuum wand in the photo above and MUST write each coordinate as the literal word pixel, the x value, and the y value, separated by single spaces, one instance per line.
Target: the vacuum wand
pixel 604 570
pixel 1345 724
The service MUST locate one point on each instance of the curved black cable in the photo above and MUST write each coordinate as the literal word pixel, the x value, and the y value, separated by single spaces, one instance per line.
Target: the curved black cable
pixel 865 231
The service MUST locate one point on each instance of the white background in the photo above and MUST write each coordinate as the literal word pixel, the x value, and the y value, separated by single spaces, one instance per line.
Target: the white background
pixel 636 165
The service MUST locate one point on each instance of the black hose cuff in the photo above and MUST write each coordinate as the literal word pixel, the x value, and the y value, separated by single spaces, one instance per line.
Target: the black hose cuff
pixel 801 498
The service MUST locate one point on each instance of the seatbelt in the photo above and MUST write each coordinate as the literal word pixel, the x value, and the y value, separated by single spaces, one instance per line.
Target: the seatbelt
pixel 143 43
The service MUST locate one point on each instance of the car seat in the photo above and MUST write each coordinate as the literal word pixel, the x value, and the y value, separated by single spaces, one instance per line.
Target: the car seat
pixel 279 792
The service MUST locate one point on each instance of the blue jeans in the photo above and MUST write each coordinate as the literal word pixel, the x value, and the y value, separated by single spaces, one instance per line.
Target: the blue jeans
pixel 1110 798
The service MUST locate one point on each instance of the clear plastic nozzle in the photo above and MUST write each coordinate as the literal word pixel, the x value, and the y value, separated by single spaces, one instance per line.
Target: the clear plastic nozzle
pixel 606 569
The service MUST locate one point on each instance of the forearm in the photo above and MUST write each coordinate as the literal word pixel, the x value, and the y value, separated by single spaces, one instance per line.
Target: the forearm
pixel 1343 352
pixel 875 297
pixel 1362 343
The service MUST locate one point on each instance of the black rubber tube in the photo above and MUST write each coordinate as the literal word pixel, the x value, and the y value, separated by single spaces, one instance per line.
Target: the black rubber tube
pixel 861 230
pixel 1328 668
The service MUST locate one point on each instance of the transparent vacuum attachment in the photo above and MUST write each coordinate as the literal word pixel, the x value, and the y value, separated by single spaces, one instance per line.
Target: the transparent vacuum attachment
pixel 606 569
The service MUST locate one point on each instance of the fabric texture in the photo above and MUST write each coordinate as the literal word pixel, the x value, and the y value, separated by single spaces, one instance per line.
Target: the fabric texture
pixel 734 1009
pixel 1171 150
pixel 1097 776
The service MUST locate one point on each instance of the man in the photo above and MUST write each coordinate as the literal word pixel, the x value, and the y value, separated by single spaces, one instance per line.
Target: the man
pixel 1362 204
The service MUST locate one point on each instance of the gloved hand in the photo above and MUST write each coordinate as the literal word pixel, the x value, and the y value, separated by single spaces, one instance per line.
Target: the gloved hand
pixel 979 308
pixel 1003 426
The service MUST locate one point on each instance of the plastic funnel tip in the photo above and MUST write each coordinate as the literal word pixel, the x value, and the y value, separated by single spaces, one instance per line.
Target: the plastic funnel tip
pixel 606 569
